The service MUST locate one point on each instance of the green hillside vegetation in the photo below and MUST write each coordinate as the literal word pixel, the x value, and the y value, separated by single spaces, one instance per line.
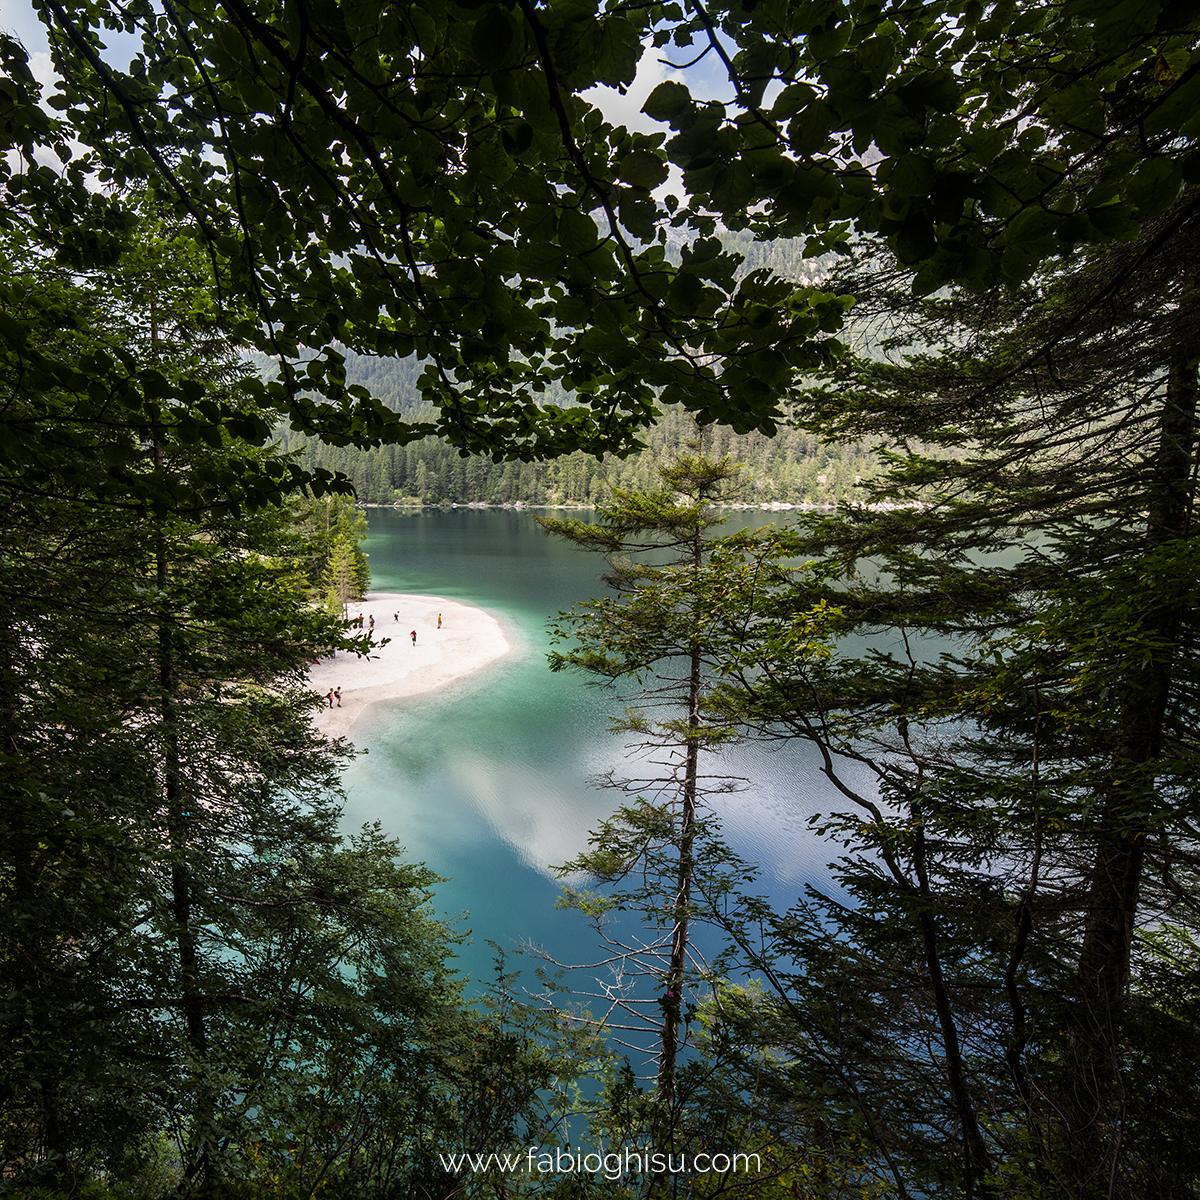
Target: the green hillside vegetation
pixel 793 467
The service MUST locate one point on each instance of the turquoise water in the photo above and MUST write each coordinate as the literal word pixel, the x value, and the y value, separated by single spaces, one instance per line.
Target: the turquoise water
pixel 487 781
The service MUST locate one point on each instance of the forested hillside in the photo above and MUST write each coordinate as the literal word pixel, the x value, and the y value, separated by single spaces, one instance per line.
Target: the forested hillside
pixel 793 467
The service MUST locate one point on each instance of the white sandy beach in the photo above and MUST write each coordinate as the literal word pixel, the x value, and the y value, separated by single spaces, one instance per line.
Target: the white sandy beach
pixel 468 640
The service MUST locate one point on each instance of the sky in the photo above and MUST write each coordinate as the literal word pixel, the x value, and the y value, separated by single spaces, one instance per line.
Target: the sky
pixel 18 17
pixel 707 78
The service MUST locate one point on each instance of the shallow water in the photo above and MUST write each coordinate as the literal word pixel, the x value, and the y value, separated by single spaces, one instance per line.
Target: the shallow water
pixel 487 781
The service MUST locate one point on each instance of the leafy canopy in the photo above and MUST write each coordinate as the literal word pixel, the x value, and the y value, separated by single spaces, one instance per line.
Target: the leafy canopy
pixel 430 181
pixel 436 181
pixel 976 140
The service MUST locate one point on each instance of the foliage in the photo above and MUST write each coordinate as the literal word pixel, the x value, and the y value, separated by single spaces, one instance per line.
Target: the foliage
pixel 156 744
pixel 421 181
pixel 669 628
pixel 988 1002
pixel 793 467
pixel 790 467
pixel 337 564
pixel 424 183
pixel 202 982
pixel 77 265
pixel 975 141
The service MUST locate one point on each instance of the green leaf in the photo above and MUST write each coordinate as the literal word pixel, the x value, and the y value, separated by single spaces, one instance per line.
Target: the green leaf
pixel 792 99
pixel 13 332
pixel 577 231
pixel 667 100
pixel 642 168
pixel 686 290
pixel 492 38
pixel 617 53
pixel 1114 221
pixel 916 240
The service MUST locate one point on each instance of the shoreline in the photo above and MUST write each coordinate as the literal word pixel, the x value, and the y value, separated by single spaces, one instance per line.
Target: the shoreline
pixel 468 640
pixel 521 506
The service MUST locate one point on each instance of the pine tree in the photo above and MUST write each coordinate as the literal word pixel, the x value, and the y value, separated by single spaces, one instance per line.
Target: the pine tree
pixel 1017 756
pixel 340 583
pixel 681 598
pixel 194 961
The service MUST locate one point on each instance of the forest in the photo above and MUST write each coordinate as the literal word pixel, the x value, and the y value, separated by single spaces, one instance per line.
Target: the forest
pixel 793 467
pixel 474 283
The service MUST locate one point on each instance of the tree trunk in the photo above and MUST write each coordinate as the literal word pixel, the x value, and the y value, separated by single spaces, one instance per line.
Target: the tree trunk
pixel 672 1001
pixel 677 964
pixel 1117 866
pixel 1096 1105
pixel 975 1155
pixel 202 1165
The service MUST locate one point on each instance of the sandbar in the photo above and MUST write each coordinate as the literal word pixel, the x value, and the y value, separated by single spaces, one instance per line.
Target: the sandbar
pixel 467 641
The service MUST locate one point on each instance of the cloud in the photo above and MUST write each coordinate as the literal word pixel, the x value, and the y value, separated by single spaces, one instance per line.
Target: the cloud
pixel 626 109
pixel 541 815
pixel 43 70
pixel 706 79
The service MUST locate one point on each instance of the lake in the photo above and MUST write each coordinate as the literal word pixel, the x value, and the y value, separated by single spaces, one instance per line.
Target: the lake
pixel 487 781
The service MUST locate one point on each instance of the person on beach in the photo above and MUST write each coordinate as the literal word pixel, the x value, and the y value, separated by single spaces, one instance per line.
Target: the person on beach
pixel 439 620
pixel 338 694
pixel 397 618
pixel 330 697
pixel 414 637
pixel 372 627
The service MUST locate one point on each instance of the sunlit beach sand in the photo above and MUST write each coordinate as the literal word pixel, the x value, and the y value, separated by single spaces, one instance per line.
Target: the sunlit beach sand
pixel 468 640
